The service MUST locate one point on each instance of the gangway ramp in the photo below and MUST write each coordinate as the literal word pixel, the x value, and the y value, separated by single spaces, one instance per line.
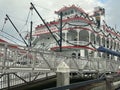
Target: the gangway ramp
pixel 20 59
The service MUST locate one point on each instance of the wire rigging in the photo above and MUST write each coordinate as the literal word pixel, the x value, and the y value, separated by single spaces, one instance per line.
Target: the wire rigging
pixel 2 30
pixel 9 39
pixel 17 30
pixel 4 23
pixel 11 36
pixel 27 18
pixel 26 22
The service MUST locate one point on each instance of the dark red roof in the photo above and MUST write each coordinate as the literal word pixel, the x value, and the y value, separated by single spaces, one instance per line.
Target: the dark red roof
pixel 66 20
pixel 71 7
pixel 2 40
pixel 10 45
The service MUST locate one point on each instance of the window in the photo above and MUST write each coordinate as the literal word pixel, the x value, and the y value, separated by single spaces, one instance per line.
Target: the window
pixel 65 13
pixel 72 11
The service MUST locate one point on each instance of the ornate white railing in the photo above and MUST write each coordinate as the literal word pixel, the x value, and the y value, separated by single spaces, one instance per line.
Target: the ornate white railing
pixel 25 59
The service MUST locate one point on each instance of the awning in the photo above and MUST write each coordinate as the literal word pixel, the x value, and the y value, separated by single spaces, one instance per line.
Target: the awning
pixel 105 50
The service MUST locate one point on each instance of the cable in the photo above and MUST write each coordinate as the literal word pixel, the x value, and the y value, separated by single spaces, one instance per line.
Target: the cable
pixel 16 18
pixel 4 23
pixel 2 30
pixel 12 36
pixel 8 39
pixel 27 17
pixel 43 7
pixel 16 30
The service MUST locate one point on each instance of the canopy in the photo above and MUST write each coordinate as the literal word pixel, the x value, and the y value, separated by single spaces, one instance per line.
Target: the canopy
pixel 105 50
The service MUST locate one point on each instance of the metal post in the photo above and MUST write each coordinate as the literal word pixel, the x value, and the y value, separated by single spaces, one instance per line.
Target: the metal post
pixel 8 81
pixel 60 42
pixel 31 24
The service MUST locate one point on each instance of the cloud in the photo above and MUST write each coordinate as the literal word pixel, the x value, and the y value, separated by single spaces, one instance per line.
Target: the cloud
pixel 18 11
pixel 112 13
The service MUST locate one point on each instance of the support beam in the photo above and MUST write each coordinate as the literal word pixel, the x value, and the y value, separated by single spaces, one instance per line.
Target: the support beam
pixel 20 78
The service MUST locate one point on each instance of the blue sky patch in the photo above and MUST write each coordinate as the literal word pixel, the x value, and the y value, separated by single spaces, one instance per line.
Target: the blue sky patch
pixel 102 1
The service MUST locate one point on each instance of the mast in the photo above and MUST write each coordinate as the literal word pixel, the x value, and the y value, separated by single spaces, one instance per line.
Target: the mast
pixel 16 30
pixel 31 25
pixel 59 42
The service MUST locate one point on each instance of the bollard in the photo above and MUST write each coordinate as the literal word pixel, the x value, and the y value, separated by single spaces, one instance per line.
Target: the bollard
pixel 109 83
pixel 63 77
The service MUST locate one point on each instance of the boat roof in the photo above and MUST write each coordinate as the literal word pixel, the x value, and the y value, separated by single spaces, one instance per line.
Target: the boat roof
pixel 10 45
pixel 65 8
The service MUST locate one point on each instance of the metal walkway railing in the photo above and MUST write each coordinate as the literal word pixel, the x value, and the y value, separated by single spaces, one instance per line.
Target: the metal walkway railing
pixel 18 59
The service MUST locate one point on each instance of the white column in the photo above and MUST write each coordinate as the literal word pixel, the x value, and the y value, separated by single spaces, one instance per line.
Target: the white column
pixel 82 52
pixel 78 37
pixel 66 37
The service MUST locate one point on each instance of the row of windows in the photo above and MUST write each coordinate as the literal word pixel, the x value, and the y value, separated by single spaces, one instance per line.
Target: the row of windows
pixel 92 54
pixel 68 12
pixel 72 35
pixel 99 54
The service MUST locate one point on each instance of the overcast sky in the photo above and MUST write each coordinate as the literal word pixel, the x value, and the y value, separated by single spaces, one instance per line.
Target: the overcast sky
pixel 18 12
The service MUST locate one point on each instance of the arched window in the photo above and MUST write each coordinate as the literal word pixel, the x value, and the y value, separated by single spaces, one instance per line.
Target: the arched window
pixel 103 41
pixel 84 36
pixel 111 45
pixel 72 35
pixel 117 46
pixel 114 45
pixel 72 11
pixel 73 55
pixel 92 38
pixel 63 35
pixel 107 42
pixel 86 53
pixel 98 39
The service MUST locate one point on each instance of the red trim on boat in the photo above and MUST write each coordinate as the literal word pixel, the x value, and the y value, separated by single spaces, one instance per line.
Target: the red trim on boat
pixel 73 47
